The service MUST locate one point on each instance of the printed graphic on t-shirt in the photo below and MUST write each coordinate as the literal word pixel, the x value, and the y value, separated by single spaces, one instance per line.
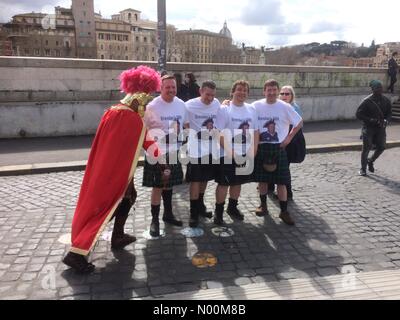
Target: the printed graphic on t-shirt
pixel 270 135
pixel 207 127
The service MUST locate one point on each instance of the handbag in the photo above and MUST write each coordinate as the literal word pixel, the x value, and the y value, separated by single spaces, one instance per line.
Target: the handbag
pixel 296 149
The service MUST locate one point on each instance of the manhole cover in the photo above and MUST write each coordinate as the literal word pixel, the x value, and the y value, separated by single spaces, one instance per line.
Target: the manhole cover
pixel 222 232
pixel 147 235
pixel 192 232
pixel 65 239
pixel 204 260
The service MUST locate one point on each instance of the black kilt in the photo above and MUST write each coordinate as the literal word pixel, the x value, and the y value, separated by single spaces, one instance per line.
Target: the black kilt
pixel 226 174
pixel 198 172
pixel 152 176
pixel 281 175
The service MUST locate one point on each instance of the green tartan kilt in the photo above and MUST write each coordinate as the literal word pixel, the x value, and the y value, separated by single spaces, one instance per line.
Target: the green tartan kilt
pixel 152 176
pixel 281 175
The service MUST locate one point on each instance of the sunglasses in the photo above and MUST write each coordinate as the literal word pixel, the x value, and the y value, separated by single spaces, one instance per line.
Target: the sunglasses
pixel 285 94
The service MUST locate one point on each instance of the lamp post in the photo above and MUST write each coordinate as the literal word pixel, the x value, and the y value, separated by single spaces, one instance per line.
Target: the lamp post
pixel 162 36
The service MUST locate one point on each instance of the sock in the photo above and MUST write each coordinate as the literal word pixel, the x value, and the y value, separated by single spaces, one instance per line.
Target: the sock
pixel 283 205
pixel 232 203
pixel 219 207
pixel 201 199
pixel 167 201
pixel 263 199
pixel 193 205
pixel 155 211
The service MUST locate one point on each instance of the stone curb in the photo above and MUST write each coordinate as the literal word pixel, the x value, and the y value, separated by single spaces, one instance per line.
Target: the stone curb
pixel 27 169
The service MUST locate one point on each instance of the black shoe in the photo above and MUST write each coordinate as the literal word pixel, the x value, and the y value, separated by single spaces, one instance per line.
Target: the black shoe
pixel 219 221
pixel 204 213
pixel 362 172
pixel 78 263
pixel 262 211
pixel 155 228
pixel 235 213
pixel 170 219
pixel 371 166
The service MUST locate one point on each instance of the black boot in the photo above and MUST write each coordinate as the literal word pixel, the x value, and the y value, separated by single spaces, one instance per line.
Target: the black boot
pixel 194 214
pixel 168 216
pixel 233 211
pixel 202 207
pixel 119 239
pixel 219 212
pixel 155 224
pixel 78 262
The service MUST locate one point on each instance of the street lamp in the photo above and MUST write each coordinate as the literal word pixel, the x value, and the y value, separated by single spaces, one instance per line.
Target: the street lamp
pixel 162 36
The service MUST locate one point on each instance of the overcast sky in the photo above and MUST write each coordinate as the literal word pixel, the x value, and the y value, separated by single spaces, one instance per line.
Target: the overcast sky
pixel 269 23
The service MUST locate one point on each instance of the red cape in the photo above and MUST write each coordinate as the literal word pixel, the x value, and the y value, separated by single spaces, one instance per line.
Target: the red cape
pixel 112 163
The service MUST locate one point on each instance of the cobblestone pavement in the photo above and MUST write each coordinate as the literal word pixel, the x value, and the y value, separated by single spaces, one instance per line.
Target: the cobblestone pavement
pixel 345 223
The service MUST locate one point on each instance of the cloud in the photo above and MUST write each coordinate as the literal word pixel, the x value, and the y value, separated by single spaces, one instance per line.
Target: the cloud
pixel 288 29
pixel 262 12
pixel 326 26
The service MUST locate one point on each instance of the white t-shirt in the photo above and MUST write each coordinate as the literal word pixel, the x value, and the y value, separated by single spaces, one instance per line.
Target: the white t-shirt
pixel 273 120
pixel 241 121
pixel 164 122
pixel 203 129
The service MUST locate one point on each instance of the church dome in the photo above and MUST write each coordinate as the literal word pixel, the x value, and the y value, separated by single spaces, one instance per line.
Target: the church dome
pixel 225 31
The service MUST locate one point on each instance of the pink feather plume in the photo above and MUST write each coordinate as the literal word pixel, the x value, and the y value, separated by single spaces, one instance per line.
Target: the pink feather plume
pixel 140 79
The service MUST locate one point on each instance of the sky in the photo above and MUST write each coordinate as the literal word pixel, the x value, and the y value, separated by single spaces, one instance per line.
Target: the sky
pixel 269 23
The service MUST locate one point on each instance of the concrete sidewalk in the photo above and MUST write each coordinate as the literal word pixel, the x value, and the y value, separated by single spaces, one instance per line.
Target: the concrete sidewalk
pixel 378 285
pixel 41 155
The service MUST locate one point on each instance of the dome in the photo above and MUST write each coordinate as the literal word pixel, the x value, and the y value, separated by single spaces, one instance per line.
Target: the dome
pixel 225 31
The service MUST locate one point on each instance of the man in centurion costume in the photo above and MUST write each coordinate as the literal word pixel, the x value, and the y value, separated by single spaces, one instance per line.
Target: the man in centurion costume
pixel 107 189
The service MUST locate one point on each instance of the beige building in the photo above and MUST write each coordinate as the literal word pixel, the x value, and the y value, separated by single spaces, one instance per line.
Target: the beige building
pixel 203 46
pixel 85 28
pixel 38 34
pixel 144 35
pixel 114 40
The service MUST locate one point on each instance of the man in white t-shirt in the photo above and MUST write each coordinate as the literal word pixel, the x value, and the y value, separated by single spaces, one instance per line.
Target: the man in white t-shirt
pixel 165 119
pixel 238 122
pixel 274 117
pixel 203 147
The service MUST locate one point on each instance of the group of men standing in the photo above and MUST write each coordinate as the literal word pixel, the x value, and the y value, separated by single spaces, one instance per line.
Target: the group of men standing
pixel 229 144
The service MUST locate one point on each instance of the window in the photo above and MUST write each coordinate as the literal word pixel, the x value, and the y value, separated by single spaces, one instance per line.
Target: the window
pixel 145 39
pixel 58 53
pixel 114 37
pixel 37 52
pixel 47 52
pixel 65 22
pixel 137 38
pixel 57 43
pixel 126 48
pixel 67 44
pixel 108 36
pixel 101 36
pixel 136 17
pixel 26 51
pixel 47 42
pixel 102 56
pixel 102 47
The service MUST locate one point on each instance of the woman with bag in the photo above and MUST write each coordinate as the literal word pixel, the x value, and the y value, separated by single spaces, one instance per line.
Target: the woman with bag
pixel 296 149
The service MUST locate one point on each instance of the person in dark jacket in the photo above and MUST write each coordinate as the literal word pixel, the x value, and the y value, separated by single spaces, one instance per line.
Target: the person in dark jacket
pixel 375 111
pixel 181 88
pixel 193 89
pixel 393 67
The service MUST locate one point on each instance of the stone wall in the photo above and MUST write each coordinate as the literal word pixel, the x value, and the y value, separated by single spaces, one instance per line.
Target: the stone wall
pixel 54 97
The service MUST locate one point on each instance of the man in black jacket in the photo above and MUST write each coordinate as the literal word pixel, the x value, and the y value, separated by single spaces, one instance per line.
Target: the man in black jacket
pixel 393 67
pixel 375 111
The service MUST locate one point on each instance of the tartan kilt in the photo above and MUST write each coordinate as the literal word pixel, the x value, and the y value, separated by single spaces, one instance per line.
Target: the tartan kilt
pixel 226 175
pixel 152 176
pixel 198 172
pixel 281 175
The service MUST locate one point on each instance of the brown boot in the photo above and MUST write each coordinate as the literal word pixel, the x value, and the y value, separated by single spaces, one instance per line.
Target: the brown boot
pixel 262 211
pixel 78 262
pixel 119 239
pixel 286 218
